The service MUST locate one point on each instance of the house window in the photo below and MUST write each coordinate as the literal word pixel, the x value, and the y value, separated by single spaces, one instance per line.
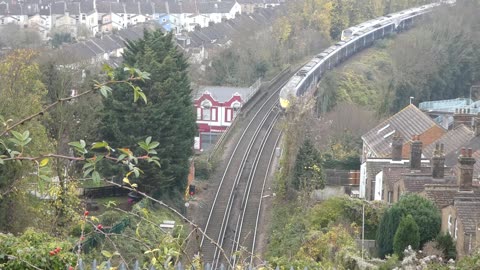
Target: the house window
pixel 389 198
pixel 456 229
pixel 214 114
pixel 228 115
pixel 206 112
pixel 199 113
pixel 450 224
pixel 236 109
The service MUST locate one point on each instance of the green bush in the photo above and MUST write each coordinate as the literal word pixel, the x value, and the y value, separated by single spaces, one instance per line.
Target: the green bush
pixel 34 248
pixel 407 234
pixel 446 245
pixel 203 168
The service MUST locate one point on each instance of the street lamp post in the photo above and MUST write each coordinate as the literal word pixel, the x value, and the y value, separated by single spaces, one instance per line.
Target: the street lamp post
pixel 363 227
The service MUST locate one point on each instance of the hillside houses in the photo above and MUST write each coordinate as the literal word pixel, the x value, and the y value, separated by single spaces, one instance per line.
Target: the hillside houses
pixel 103 16
pixel 197 44
pixel 440 164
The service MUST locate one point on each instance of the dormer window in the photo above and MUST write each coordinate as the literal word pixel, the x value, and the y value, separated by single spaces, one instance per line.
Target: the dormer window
pixel 236 106
pixel 206 110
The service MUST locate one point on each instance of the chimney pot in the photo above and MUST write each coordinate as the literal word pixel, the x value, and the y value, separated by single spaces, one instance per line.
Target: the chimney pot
pixel 416 154
pixel 438 162
pixel 397 145
pixel 465 170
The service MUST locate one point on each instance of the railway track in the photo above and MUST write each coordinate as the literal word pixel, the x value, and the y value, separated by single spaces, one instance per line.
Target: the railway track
pixel 234 213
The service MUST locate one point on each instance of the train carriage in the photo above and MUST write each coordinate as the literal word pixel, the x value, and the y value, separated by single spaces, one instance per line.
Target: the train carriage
pixel 353 39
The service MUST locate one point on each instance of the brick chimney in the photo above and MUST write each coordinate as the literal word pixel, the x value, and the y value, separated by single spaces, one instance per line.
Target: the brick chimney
pixel 476 124
pixel 438 162
pixel 462 116
pixel 397 145
pixel 415 153
pixel 465 170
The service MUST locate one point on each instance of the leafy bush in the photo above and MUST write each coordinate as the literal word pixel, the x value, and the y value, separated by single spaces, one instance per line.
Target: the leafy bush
pixel 407 235
pixel 446 245
pixel 203 168
pixel 34 248
pixel 423 211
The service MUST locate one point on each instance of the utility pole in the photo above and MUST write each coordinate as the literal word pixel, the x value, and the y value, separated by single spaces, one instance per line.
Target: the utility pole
pixel 363 227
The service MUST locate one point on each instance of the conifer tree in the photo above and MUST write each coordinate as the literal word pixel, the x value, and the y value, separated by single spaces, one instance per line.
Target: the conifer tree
pixel 407 234
pixel 307 170
pixel 168 115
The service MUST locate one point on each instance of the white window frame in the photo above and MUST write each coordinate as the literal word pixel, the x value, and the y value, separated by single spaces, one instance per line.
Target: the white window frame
pixel 456 229
pixel 449 224
pixel 199 113
pixel 206 110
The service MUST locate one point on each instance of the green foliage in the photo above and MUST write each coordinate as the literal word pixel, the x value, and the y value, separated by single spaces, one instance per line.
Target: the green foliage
pixel 438 60
pixel 203 167
pixel 307 172
pixel 140 238
pixel 33 248
pixel 390 263
pixel 407 234
pixel 168 116
pixel 386 230
pixel 423 211
pixel 59 38
pixel 287 233
pixel 444 242
pixel 469 262
pixel 346 210
pixel 327 247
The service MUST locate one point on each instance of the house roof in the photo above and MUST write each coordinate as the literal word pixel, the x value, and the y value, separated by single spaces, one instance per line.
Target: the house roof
pixel 474 143
pixel 468 210
pixel 415 183
pixel 222 93
pixel 407 122
pixel 452 140
pixel 441 194
pixel 215 7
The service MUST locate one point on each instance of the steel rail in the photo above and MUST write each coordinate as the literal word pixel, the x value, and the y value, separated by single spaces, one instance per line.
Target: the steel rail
pixel 240 142
pixel 226 216
pixel 251 177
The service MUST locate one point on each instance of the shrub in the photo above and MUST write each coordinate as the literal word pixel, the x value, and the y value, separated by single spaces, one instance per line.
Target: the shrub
pixel 407 234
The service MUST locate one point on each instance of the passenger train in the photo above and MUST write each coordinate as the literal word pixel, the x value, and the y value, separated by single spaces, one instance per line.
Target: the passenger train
pixel 353 40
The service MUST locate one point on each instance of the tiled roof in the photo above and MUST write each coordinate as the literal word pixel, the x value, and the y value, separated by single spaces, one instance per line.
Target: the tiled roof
pixel 441 194
pixel 222 93
pixel 415 182
pixel 215 7
pixel 452 140
pixel 468 210
pixel 393 173
pixel 221 33
pixel 452 158
pixel 407 122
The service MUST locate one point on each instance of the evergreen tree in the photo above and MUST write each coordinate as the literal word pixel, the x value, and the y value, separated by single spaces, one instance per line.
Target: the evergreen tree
pixel 423 211
pixel 407 235
pixel 386 231
pixel 168 116
pixel 307 171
